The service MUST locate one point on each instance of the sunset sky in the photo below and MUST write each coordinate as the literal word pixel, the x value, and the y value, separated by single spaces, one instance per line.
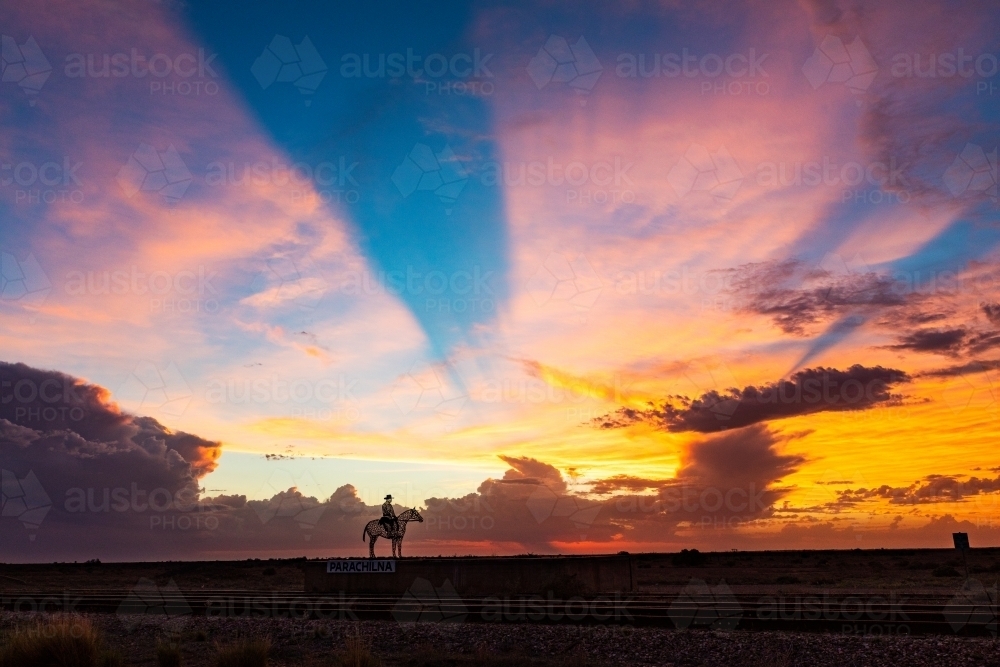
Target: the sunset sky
pixel 568 278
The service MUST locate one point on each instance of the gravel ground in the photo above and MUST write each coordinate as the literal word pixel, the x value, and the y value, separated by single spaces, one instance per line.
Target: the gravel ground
pixel 465 645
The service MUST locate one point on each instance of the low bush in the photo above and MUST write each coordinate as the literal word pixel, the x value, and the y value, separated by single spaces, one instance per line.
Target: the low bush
pixel 67 641
pixel 357 653
pixel 168 655
pixel 246 652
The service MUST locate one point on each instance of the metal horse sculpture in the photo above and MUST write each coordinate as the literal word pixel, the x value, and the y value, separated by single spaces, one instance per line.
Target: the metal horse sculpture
pixel 375 530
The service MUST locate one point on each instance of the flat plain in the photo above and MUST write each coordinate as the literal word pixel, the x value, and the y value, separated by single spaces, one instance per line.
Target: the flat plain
pixel 692 593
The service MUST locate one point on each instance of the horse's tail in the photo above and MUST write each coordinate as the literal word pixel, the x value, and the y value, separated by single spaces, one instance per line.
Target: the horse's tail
pixel 364 533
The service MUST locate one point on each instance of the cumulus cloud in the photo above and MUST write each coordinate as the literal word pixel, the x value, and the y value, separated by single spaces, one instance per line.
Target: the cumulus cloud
pixel 47 414
pixel 738 457
pixel 123 486
pixel 724 479
pixel 806 392
pixel 525 470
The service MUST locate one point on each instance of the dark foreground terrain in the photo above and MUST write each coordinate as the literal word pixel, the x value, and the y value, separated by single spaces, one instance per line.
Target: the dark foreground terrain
pixel 878 607
pixel 134 641
pixel 763 572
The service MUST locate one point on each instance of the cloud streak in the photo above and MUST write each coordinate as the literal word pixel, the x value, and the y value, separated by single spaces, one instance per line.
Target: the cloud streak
pixel 806 392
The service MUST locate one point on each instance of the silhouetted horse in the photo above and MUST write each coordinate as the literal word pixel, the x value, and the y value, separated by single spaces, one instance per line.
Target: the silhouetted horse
pixel 375 530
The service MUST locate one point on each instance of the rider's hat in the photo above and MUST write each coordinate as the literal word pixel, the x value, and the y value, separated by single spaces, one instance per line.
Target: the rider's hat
pixel 388 497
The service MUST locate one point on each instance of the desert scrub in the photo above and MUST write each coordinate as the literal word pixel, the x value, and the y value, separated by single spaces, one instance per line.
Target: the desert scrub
pixel 64 641
pixel 244 652
pixel 111 658
pixel 357 653
pixel 168 655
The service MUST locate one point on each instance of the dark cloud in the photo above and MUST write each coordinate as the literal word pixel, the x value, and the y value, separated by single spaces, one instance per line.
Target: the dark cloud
pixel 982 342
pixel 724 480
pixel 968 368
pixel 991 311
pixel 738 457
pixel 916 319
pixel 796 295
pixel 944 341
pixel 951 342
pixel 932 489
pixel 525 470
pixel 122 487
pixel 805 392
pixel 617 483
pixel 49 415
pixel 105 484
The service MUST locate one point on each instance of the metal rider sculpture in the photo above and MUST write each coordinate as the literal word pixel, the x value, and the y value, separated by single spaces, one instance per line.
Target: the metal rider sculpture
pixel 391 527
pixel 389 520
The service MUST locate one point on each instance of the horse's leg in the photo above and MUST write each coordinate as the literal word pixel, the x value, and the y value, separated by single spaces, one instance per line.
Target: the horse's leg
pixel 371 546
pixel 401 547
